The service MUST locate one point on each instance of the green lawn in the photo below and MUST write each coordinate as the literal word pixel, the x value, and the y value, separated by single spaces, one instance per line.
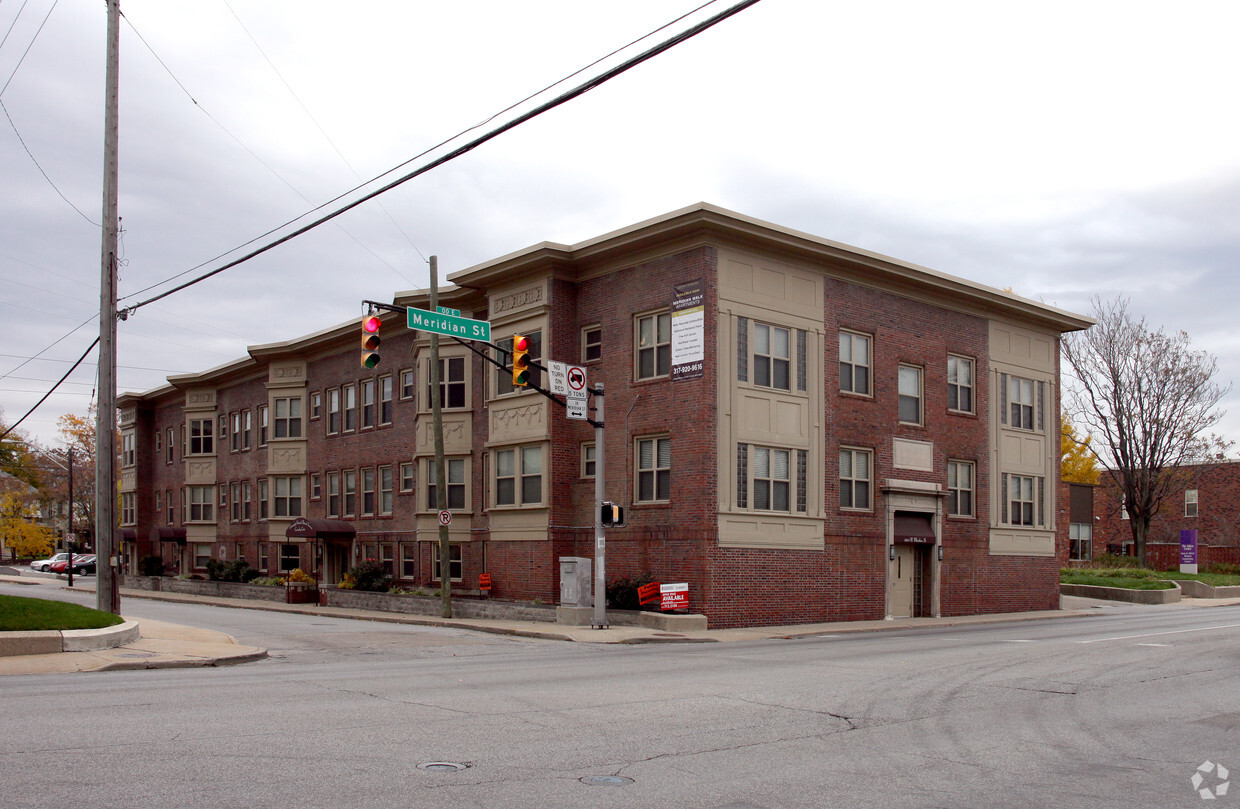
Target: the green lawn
pixel 19 614
pixel 1135 578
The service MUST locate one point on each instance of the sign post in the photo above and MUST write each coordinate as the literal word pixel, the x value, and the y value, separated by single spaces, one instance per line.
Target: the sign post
pixel 600 534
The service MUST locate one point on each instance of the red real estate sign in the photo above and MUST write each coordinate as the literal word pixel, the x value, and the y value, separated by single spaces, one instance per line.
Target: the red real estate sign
pixel 674 596
pixel 647 593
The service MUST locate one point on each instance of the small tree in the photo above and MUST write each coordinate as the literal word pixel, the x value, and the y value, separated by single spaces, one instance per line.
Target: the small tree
pixel 20 532
pixel 1077 464
pixel 1151 401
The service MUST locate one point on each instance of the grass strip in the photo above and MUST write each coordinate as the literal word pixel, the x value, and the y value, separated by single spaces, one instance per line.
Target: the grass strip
pixel 18 614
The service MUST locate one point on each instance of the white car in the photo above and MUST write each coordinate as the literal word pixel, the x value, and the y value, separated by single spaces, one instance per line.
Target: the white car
pixel 46 564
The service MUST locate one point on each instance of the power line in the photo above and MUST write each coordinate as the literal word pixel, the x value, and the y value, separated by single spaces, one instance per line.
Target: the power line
pixel 53 390
pixel 563 98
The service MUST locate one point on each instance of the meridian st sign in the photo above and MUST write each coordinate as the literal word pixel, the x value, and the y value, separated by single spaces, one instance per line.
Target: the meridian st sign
pixel 451 325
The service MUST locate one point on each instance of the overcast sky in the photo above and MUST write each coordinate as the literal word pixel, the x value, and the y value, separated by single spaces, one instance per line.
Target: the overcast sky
pixel 1064 150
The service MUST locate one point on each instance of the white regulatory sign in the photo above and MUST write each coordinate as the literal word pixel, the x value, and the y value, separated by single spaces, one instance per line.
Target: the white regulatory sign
pixel 576 382
pixel 577 409
pixel 558 374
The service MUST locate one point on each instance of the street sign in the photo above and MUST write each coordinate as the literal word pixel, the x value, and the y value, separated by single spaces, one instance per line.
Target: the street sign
pixel 576 409
pixel 576 382
pixel 557 374
pixel 445 518
pixel 450 325
pixel 444 310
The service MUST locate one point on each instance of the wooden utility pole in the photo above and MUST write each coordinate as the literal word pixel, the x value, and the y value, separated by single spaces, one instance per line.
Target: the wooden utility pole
pixel 441 472
pixel 107 595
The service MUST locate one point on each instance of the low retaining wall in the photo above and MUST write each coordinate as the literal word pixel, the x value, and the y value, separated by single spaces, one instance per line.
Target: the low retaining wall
pixel 1197 589
pixel 428 605
pixel 1120 594
pixel 197 587
pixel 67 640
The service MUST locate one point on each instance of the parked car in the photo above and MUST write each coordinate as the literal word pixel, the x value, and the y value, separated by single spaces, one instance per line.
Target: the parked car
pixel 46 564
pixel 84 565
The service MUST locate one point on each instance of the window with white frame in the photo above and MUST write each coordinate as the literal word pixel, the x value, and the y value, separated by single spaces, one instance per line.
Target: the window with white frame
pixel 316 405
pixel 263 501
pixel 128 455
pixel 333 411
pixel 235 502
pixel 587 460
pixel 518 476
pixel 333 494
pixel 455 568
pixel 1022 402
pixel 591 343
pixel 452 386
pixel 855 362
pixel 129 510
pixel 408 382
pixel 406 477
pixel 350 492
pixel 1190 503
pixel 247 492
pixel 856 478
pixel 1081 541
pixel 235 436
pixel 771 473
pixel 348 393
pixel 960 384
pixel 385 399
pixel 286 496
pixel 1022 500
pixel 202 436
pixel 247 429
pixel 772 356
pixel 368 403
pixel 654 469
pixel 909 384
pixel 290 557
pixel 264 416
pixel 202 554
pixel 455 471
pixel 288 418
pixel 385 491
pixel 201 503
pixel 960 488
pixel 368 491
pixel 654 345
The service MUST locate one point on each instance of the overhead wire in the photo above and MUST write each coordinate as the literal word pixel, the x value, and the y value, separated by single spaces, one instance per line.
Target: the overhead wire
pixel 559 100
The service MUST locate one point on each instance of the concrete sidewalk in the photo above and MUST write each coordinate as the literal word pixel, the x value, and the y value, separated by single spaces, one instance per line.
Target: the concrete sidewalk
pixel 163 645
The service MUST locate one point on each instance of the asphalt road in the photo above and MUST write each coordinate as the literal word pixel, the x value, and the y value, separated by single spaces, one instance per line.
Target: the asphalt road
pixel 1116 710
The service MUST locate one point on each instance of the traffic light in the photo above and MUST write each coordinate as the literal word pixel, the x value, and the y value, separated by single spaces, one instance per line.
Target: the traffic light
pixel 612 515
pixel 370 341
pixel 520 361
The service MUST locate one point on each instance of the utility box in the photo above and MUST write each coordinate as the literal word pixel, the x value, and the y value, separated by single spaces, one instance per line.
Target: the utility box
pixel 575 582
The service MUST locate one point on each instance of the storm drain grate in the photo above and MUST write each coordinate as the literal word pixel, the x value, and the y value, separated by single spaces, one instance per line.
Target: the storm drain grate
pixel 606 780
pixel 443 766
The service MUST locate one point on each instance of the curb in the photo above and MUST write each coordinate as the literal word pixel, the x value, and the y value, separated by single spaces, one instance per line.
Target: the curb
pixel 53 641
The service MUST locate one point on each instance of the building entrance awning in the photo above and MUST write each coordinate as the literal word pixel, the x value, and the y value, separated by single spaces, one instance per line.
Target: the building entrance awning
pixel 307 528
pixel 168 533
pixel 912 528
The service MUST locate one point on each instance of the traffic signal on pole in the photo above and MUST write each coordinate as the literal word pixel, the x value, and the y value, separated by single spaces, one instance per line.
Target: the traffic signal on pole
pixel 520 361
pixel 612 515
pixel 370 341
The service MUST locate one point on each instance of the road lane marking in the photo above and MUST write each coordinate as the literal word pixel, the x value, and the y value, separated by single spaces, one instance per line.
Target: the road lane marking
pixel 1156 634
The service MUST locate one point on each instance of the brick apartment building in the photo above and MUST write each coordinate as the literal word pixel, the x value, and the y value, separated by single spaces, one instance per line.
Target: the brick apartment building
pixel 1205 501
pixel 863 438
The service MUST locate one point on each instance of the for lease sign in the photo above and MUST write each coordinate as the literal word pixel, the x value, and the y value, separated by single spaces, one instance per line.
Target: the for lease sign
pixel 674 596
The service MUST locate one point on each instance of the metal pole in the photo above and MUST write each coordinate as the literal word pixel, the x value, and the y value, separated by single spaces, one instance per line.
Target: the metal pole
pixel 441 474
pixel 600 494
pixel 107 596
pixel 69 522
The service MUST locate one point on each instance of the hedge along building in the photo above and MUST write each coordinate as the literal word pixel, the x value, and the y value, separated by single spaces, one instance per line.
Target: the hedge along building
pixel 861 438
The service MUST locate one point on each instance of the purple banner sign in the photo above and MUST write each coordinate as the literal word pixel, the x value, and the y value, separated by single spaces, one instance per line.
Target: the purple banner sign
pixel 1188 546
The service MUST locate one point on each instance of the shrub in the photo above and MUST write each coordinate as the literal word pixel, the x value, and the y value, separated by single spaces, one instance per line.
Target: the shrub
pixel 230 571
pixel 622 593
pixel 301 576
pixel 1223 568
pixel 370 576
pixel 151 566
pixel 1110 560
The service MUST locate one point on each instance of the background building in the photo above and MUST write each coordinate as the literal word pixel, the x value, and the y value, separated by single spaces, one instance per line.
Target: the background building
pixel 861 438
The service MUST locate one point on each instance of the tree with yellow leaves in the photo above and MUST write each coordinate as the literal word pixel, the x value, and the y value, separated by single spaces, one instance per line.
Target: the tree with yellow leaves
pixel 1078 464
pixel 18 529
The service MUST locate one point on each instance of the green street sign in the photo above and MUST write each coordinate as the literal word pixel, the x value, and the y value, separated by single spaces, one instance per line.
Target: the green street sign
pixel 450 325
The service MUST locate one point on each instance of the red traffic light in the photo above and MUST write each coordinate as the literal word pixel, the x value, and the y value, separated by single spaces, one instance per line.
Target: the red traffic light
pixel 370 341
pixel 520 360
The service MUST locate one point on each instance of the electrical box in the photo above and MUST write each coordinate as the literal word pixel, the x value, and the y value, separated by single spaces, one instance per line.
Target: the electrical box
pixel 576 588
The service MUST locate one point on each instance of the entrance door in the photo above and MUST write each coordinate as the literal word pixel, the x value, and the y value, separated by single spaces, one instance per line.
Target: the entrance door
pixel 337 561
pixel 903 581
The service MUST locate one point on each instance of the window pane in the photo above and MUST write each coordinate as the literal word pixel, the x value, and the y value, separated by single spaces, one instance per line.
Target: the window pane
pixel 505 463
pixel 665 453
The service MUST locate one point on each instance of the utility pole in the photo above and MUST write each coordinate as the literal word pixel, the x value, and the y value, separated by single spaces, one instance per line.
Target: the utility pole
pixel 69 522
pixel 441 472
pixel 600 494
pixel 107 595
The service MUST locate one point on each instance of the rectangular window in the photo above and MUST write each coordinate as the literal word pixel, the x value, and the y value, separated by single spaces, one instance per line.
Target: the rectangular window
pixel 451 382
pixel 503 377
pixel 771 356
pixel 960 488
pixel 202 436
pixel 654 345
pixel 409 561
pixel 587 460
pixel 854 363
pixel 518 473
pixel 385 399
pixel 172 508
pixel 236 432
pixel 316 405
pixel 1190 503
pixel 407 381
pixel 771 475
pixel 286 501
pixel 368 403
pixel 223 429
pixel 1020 401
pixel 349 394
pixel 159 443
pixel 290 557
pixel 591 343
pixel 235 499
pixel 316 486
pixel 456 484
pixel 246 495
pixel 333 494
pixel 910 394
pixel 202 554
pixel 247 428
pixel 406 477
pixel 263 500
pixel 333 411
pixel 368 491
pixel 855 478
pixel 288 418
pixel 171 447
pixel 455 572
pixel 129 511
pixel 128 455
pixel 1020 499
pixel 1081 540
pixel 385 491
pixel 159 503
pixel 263 424
pixel 960 384
pixel 201 504
pixel 350 492
pixel 654 470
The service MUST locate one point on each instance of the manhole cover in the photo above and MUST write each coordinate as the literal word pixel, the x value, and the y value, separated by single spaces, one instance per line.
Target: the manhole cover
pixel 606 780
pixel 443 766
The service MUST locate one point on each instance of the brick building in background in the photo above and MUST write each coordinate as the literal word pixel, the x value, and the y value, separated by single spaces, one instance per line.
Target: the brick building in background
pixel 864 438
